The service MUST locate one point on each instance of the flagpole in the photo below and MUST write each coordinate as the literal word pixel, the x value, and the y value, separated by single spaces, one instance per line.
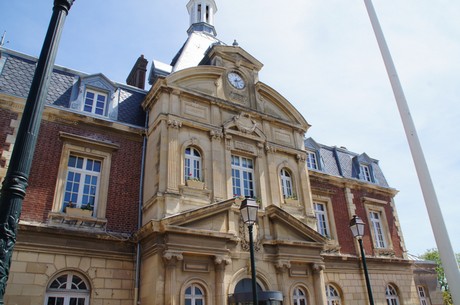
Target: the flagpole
pixel 438 226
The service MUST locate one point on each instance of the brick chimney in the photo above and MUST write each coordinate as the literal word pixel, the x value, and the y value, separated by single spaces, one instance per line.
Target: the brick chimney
pixel 136 77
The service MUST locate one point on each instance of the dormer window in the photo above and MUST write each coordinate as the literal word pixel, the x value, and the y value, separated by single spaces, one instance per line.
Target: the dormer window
pixel 312 162
pixel 95 102
pixel 365 172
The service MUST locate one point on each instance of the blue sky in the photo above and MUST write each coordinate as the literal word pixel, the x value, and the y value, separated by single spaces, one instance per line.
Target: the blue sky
pixel 321 55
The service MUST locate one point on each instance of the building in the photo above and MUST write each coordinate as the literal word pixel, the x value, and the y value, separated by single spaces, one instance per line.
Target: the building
pixel 134 195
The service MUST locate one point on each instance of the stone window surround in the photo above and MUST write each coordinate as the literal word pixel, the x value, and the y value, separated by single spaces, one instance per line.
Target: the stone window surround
pixel 67 292
pixel 330 217
pixel 78 145
pixel 376 205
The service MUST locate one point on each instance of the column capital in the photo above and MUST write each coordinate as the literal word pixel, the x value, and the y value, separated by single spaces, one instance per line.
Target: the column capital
pixel 222 260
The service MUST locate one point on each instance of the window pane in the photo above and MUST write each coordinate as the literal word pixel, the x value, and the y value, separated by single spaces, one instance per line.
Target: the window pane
pixel 55 301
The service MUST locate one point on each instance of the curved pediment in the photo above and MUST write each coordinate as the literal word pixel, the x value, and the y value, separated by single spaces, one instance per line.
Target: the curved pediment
pixel 213 82
pixel 274 104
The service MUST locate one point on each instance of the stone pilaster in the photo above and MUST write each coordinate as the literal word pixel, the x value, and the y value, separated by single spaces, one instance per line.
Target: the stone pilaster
pixel 220 261
pixel 171 260
pixel 319 284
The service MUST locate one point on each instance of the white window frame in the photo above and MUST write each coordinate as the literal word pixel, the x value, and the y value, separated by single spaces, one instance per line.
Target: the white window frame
pixel 391 295
pixel 287 183
pixel 76 196
pixel 82 146
pixel 378 206
pixel 312 160
pixel 70 291
pixel 366 173
pixel 327 202
pixel 243 182
pixel 380 241
pixel 194 297
pixel 332 295
pixel 192 164
pixel 322 219
pixel 423 296
pixel 94 105
pixel 299 296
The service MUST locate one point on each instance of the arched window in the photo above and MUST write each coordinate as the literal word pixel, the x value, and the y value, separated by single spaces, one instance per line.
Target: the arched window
pixel 286 183
pixel 332 295
pixel 194 295
pixel 423 297
pixel 299 297
pixel 192 164
pixel 391 295
pixel 68 289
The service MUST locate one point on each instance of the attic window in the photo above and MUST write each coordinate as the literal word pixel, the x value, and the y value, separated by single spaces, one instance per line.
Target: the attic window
pixel 365 172
pixel 312 162
pixel 95 102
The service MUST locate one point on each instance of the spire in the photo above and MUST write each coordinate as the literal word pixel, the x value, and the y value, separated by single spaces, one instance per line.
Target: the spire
pixel 202 16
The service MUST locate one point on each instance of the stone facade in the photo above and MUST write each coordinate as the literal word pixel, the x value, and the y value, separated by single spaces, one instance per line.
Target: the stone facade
pixel 175 162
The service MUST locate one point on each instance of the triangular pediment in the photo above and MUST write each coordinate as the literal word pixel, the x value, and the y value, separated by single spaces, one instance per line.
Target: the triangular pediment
pixel 288 229
pixel 212 219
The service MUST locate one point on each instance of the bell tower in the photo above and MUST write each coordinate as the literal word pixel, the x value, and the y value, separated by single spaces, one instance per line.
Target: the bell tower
pixel 202 16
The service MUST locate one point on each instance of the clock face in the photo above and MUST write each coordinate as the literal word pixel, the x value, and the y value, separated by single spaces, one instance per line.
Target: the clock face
pixel 236 80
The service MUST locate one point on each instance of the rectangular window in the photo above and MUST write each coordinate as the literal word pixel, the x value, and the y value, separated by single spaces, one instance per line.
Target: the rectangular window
pixel 322 221
pixel 243 176
pixel 82 182
pixel 378 230
pixel 422 296
pixel 365 172
pixel 311 160
pixel 95 102
pixel 286 184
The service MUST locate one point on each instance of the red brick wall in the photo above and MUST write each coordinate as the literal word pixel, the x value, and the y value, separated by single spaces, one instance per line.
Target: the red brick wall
pixel 122 203
pixel 5 129
pixel 342 218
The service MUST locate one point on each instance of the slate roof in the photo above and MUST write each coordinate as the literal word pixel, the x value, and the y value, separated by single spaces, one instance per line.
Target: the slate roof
pixel 17 70
pixel 341 162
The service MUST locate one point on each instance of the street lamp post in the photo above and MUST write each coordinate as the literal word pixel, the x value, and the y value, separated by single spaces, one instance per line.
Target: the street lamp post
pixel 357 228
pixel 248 211
pixel 15 182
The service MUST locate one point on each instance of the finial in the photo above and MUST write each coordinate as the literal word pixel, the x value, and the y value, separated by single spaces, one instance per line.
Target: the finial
pixel 235 43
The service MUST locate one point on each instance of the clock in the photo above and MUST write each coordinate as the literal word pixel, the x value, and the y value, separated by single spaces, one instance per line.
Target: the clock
pixel 236 80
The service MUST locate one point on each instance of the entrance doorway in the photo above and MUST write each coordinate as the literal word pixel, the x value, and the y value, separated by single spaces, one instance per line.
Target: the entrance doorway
pixel 243 295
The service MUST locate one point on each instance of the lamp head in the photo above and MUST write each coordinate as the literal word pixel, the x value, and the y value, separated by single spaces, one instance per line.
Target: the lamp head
pixel 248 210
pixel 357 227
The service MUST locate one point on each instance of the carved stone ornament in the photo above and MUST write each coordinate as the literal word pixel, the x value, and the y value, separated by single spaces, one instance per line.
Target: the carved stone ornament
pixel 222 259
pixel 318 268
pixel 174 124
pixel 172 256
pixel 244 123
pixel 216 134
pixel 244 236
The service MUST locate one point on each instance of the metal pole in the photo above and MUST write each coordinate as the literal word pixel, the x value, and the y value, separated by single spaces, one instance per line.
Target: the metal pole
pixel 15 183
pixel 366 274
pixel 438 226
pixel 253 267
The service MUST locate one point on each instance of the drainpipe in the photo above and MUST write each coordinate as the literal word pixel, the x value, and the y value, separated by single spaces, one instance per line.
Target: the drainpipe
pixel 139 215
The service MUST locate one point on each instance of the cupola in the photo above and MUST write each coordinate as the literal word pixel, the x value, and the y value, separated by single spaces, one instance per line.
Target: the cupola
pixel 202 16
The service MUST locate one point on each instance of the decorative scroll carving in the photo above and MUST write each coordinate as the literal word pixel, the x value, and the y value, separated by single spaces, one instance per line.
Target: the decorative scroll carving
pixel 244 123
pixel 174 124
pixel 216 134
pixel 317 268
pixel 172 256
pixel 222 260
pixel 244 235
pixel 270 149
pixel 301 158
pixel 282 265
